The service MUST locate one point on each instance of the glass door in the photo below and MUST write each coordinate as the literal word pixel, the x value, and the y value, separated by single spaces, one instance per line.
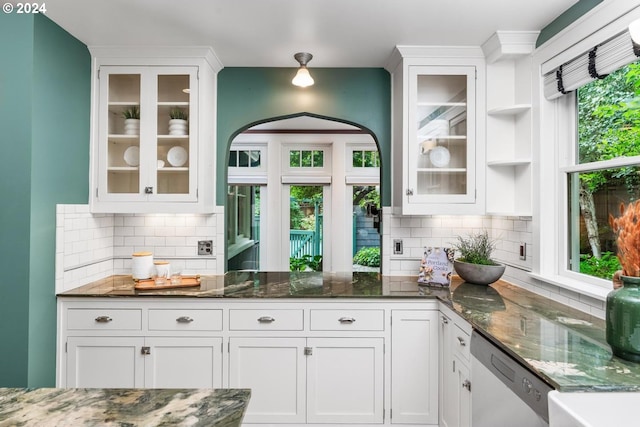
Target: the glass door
pixel 306 218
pixel 441 143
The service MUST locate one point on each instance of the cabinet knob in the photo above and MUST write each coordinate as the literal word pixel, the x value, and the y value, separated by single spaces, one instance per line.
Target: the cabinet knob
pixel 467 384
pixel 148 190
pixel 461 342
pixel 184 319
pixel 409 192
pixel 145 350
pixel 346 320
pixel 445 321
pixel 103 319
pixel 266 319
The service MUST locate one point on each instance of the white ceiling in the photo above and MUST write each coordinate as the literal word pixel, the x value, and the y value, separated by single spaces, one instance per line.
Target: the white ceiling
pixel 266 33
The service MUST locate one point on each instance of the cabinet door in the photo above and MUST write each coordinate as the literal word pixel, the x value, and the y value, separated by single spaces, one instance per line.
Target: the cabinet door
pixel 274 370
pixel 448 380
pixel 463 395
pixel 440 141
pixel 104 362
pixel 142 155
pixel 183 362
pixel 345 380
pixel 414 366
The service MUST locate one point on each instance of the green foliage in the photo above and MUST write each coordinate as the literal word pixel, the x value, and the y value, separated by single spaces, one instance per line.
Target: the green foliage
pixel 604 267
pixel 305 263
pixel 476 248
pixel 131 113
pixel 369 257
pixel 177 113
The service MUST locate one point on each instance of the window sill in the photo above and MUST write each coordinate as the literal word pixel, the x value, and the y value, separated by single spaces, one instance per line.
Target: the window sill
pixel 236 248
pixel 588 289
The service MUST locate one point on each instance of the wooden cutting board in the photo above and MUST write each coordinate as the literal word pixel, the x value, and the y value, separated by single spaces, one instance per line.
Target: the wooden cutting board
pixel 149 284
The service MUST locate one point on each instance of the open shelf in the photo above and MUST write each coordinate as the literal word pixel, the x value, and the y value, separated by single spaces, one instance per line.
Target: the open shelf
pixel 511 162
pixel 512 110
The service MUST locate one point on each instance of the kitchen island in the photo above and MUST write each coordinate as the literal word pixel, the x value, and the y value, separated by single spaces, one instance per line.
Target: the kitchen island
pixel 563 345
pixel 118 407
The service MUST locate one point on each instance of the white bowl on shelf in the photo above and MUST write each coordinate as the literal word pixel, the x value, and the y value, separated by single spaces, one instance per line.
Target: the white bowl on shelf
pixel 177 156
pixel 132 156
pixel 439 157
pixel 160 164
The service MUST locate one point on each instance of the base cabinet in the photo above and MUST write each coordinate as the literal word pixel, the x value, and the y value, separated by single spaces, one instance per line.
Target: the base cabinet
pixel 133 362
pixel 455 375
pixel 306 361
pixel 414 367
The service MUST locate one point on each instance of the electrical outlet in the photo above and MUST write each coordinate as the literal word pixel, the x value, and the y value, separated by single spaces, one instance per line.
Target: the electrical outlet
pixel 523 251
pixel 397 246
pixel 205 247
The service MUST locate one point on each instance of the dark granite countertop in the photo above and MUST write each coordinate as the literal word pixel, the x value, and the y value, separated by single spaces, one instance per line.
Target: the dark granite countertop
pixel 118 407
pixel 563 345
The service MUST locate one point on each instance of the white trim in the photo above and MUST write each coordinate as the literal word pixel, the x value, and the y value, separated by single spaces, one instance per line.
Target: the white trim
pixel 306 179
pixel 603 164
pixel 579 286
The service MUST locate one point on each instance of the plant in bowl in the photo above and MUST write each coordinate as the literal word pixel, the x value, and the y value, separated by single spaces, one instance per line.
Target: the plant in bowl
pixel 475 265
pixel 131 117
pixel 178 121
pixel 623 303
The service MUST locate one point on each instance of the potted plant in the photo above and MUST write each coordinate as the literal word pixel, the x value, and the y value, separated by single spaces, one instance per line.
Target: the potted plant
pixel 623 303
pixel 177 121
pixel 131 117
pixel 474 265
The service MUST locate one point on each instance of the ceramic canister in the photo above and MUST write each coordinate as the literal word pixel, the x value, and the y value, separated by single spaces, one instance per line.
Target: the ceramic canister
pixel 142 265
pixel 163 269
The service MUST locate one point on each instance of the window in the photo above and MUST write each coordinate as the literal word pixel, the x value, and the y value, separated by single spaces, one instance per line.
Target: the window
pixel 366 159
pixel 606 172
pixel 244 158
pixel 306 158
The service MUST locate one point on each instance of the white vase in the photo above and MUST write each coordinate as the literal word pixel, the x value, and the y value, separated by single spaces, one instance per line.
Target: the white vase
pixel 132 126
pixel 177 127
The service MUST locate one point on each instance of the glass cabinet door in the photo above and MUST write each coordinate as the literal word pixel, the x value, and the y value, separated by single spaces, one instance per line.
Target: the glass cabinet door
pixel 173 124
pixel 441 147
pixel 122 121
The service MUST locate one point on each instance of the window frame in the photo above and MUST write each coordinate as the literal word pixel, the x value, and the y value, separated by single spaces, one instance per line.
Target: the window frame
pixel 555 130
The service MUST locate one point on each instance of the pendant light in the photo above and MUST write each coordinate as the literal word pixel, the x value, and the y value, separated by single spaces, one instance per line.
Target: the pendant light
pixel 303 78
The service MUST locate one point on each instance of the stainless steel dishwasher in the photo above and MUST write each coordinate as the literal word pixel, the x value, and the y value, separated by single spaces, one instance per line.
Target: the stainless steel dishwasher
pixel 504 393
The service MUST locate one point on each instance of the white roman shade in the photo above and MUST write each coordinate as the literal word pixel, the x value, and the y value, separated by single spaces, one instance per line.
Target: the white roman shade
pixel 603 59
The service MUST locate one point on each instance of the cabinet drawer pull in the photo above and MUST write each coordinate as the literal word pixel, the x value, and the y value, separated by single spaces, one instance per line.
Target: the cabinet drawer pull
pixel 103 319
pixel 346 320
pixel 266 319
pixel 184 319
pixel 461 342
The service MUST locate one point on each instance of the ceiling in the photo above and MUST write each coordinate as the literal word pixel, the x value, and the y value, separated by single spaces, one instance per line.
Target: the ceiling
pixel 266 33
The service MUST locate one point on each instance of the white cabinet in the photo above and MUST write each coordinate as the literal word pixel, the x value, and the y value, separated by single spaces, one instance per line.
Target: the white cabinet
pixel 152 135
pixel 414 365
pixel 274 369
pixel 438 131
pixel 455 376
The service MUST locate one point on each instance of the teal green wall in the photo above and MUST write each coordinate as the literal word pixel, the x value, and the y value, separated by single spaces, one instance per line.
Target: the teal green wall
pixel 46 93
pixel 247 96
pixel 566 18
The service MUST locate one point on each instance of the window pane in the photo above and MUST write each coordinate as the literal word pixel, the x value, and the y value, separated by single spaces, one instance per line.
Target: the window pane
pixel 243 159
pixel 357 159
pixel 294 158
pixel 233 158
pixel 255 158
pixel 306 159
pixel 593 196
pixel 609 117
pixel 318 158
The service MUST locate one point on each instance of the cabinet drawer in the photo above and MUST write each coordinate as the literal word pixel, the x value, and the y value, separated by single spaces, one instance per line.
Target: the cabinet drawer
pixel 104 319
pixel 266 320
pixel 185 320
pixel 461 340
pixel 347 320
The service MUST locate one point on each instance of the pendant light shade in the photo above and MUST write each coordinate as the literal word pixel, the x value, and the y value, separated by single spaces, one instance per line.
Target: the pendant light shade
pixel 303 78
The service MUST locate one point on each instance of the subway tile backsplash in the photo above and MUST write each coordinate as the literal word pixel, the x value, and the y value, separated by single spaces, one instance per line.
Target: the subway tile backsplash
pixel 93 246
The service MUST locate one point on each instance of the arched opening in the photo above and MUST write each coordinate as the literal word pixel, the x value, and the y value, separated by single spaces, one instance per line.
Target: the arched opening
pixel 303 193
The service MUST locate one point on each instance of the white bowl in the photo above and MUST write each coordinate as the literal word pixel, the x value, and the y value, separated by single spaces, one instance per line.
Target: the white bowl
pixel 177 156
pixel 132 156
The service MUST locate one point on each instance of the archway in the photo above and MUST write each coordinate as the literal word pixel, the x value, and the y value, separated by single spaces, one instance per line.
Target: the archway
pixel 262 178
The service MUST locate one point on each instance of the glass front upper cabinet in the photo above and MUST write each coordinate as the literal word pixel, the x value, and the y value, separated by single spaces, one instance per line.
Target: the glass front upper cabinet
pixel 146 148
pixel 441 129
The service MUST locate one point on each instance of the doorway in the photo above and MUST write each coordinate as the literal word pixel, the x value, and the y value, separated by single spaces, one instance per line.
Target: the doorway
pixel 306 169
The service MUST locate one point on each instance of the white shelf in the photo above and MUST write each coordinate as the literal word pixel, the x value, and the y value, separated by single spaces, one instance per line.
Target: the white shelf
pixel 511 162
pixel 171 169
pixel 173 103
pixel 120 137
pixel 123 169
pixel 422 137
pixel 442 170
pixel 169 138
pixel 512 110
pixel 123 103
